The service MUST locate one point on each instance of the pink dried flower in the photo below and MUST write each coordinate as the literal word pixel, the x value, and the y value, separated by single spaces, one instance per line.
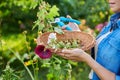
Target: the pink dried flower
pixel 101 25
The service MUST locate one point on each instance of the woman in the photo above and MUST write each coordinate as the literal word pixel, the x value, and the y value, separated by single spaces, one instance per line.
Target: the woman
pixel 106 65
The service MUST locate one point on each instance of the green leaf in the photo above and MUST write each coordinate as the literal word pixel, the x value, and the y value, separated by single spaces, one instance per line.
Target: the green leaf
pixel 53 12
pixel 34 4
pixel 58 30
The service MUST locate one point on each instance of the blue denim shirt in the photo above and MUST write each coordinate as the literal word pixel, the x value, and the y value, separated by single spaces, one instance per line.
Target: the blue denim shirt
pixel 108 54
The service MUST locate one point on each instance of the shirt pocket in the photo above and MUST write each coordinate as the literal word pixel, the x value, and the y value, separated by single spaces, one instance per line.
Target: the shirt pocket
pixel 115 43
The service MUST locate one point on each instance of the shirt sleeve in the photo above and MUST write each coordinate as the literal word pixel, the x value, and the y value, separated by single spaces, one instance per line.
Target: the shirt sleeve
pixel 118 23
pixel 117 77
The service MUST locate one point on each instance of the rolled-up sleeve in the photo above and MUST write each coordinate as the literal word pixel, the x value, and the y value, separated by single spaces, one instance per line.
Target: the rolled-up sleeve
pixel 117 77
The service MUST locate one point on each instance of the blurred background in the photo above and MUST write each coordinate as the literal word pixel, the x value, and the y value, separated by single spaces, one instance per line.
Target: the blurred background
pixel 20 23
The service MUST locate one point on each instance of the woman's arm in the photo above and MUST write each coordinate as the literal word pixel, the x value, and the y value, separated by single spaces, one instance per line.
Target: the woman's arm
pixel 80 55
pixel 102 73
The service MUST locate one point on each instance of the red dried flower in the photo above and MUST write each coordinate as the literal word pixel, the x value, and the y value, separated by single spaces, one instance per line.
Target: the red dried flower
pixel 42 52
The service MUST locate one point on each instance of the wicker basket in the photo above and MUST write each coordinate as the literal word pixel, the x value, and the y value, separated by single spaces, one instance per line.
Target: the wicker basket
pixel 87 41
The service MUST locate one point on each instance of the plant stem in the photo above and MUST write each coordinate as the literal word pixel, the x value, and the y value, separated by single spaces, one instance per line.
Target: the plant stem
pixel 18 56
pixel 29 72
pixel 37 70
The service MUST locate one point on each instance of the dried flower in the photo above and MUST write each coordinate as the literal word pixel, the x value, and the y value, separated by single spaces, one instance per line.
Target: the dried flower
pixel 52 36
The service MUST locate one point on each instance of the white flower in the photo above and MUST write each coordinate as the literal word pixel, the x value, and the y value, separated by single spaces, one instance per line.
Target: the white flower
pixel 52 36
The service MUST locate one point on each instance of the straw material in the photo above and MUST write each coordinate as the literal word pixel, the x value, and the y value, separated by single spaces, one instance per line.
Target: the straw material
pixel 87 41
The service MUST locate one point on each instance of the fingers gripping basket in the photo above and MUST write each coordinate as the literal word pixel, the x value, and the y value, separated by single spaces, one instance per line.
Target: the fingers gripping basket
pixel 86 40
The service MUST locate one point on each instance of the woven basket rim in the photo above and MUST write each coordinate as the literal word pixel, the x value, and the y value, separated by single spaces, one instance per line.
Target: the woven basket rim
pixel 87 39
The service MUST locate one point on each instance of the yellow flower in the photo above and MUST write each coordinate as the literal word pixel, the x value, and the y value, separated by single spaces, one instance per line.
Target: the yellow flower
pixel 39 33
pixel 28 62
pixel 35 40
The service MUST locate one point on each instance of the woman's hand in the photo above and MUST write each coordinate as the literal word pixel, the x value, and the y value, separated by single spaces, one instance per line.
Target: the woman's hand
pixel 74 54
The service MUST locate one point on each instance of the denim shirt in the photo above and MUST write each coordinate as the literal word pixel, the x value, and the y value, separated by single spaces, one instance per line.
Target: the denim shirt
pixel 108 54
